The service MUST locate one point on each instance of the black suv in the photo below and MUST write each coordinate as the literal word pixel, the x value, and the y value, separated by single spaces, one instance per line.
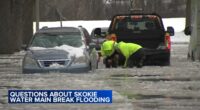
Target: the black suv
pixel 146 30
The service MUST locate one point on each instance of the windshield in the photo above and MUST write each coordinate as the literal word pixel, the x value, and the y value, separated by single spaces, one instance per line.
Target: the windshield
pixel 50 40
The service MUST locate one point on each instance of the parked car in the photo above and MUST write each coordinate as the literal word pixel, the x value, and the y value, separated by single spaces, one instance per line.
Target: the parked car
pixel 147 30
pixel 61 49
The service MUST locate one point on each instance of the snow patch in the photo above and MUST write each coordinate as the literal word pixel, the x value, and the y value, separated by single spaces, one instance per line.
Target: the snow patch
pixel 37 48
pixel 180 37
pixel 56 65
pixel 177 23
pixel 73 51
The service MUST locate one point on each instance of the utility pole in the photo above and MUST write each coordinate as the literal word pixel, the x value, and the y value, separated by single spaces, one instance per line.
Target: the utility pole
pixel 61 18
pixel 58 13
pixel 37 14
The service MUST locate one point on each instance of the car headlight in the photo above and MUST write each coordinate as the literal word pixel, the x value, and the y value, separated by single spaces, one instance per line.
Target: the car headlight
pixel 79 60
pixel 30 62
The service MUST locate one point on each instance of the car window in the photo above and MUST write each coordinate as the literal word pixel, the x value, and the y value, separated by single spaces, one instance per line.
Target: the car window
pixel 143 24
pixel 49 40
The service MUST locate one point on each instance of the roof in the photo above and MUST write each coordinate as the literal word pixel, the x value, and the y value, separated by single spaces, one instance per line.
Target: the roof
pixel 138 14
pixel 58 29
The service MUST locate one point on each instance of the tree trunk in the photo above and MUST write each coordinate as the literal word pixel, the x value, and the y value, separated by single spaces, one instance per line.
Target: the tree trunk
pixel 5 31
pixel 194 19
pixel 15 24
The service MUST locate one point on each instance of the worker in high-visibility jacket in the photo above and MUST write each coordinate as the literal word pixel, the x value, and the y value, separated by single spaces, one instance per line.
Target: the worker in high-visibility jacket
pixel 108 52
pixel 134 54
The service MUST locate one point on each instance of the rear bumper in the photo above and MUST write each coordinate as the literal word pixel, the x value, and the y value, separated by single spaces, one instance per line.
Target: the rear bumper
pixel 72 69
pixel 157 57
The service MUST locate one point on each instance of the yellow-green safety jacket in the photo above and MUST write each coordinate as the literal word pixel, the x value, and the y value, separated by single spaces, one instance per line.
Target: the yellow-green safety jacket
pixel 107 48
pixel 127 49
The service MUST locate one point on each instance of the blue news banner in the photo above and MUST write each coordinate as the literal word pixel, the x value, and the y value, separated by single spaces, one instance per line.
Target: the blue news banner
pixel 60 96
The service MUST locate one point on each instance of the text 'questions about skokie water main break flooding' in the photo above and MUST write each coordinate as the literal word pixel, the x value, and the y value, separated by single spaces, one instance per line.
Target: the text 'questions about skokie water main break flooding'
pixel 60 96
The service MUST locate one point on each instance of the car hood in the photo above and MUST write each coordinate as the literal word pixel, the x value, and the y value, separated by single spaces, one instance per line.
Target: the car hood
pixel 49 54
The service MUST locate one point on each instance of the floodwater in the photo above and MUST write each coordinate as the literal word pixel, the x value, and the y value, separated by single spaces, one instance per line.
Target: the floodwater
pixel 175 87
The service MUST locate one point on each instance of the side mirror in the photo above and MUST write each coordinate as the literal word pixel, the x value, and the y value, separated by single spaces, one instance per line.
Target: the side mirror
pixel 170 30
pixel 97 31
pixel 188 30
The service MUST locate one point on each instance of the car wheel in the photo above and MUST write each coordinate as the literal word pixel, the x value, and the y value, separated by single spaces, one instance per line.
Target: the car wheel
pixel 166 63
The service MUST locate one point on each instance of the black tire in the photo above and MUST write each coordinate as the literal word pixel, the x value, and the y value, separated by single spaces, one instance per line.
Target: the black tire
pixel 166 63
pixel 107 65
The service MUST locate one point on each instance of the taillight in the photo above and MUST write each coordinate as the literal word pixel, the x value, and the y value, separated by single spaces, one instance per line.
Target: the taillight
pixel 167 41
pixel 136 17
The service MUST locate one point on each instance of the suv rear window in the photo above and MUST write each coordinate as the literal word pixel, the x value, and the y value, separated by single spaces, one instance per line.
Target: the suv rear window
pixel 136 23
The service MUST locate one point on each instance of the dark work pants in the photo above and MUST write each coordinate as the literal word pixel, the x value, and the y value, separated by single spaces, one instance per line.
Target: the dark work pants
pixel 136 59
pixel 116 58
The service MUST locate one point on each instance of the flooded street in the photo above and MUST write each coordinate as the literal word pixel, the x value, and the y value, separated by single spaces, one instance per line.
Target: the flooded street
pixel 175 87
